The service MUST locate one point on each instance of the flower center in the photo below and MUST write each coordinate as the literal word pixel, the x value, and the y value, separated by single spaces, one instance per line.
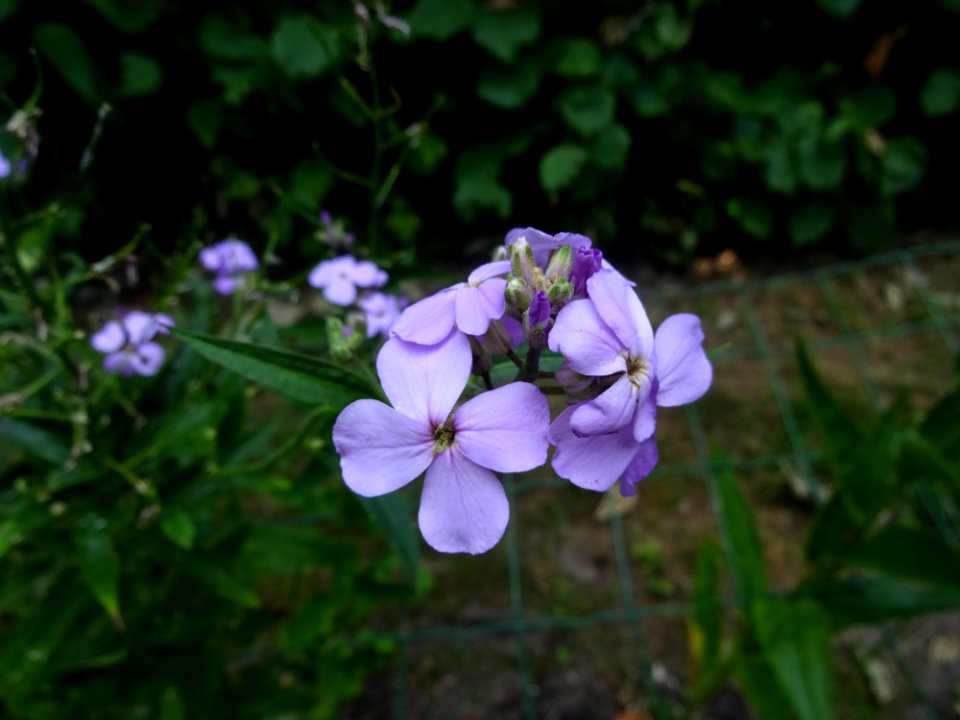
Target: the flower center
pixel 638 369
pixel 443 436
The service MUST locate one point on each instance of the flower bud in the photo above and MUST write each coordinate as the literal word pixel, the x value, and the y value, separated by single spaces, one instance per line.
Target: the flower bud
pixel 517 295
pixel 561 263
pixel 522 263
pixel 560 293
pixel 586 262
pixel 536 321
pixel 497 338
pixel 500 253
pixel 482 361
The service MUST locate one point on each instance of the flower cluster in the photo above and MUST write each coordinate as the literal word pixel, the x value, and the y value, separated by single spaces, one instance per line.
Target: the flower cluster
pixel 551 293
pixel 346 281
pixel 128 343
pixel 230 260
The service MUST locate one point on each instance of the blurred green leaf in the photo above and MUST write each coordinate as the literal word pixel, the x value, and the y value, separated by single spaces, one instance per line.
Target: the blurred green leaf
pixel 310 183
pixel 758 682
pixel 870 107
pixel 941 93
pixel 587 108
pixel 297 376
pixel 223 583
pixel 779 173
pixel 705 624
pixel 911 554
pixel 672 31
pixel 795 637
pixel 941 426
pixel 561 166
pixel 98 563
pixel 753 215
pixel 393 514
pixel 839 8
pixel 205 119
pixel 508 86
pixel 68 54
pixel 441 19
pixel 810 222
pixel 178 526
pixel 837 431
pixel 476 182
pixel 34 440
pixel 610 147
pixel 856 600
pixel 139 75
pixel 7 8
pixel 904 162
pixel 229 41
pixel 741 540
pixel 503 33
pixel 129 17
pixel 10 535
pixel 577 58
pixel 302 46
pixel 822 163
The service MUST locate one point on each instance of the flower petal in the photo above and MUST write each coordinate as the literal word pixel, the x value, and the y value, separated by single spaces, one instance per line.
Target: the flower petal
pixel 505 429
pixel 366 274
pixel 139 326
pixel 225 284
pixel 430 320
pixel 463 507
pixel 593 462
pixel 645 420
pixel 588 345
pixel 109 338
pixel 475 307
pixel 147 359
pixel 489 270
pixel 424 381
pixel 380 449
pixel 610 411
pixel 684 373
pixel 340 291
pixel 641 466
pixel 622 311
pixel 119 362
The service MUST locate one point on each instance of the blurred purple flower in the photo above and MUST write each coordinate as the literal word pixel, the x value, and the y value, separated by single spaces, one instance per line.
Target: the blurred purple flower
pixel 229 259
pixel 5 166
pixel 382 311
pixel 468 306
pixel 128 344
pixel 463 507
pixel 340 277
pixel 609 334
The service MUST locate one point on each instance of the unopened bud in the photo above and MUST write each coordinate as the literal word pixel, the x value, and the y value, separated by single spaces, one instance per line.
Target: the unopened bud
pixel 586 262
pixel 497 339
pixel 561 263
pixel 518 295
pixel 536 321
pixel 522 263
pixel 560 293
pixel 481 357
pixel 501 253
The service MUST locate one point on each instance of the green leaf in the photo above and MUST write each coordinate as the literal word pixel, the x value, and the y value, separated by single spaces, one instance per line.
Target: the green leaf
pixel 139 75
pixel 837 431
pixel 822 163
pixel 795 637
pixel 753 215
pixel 942 426
pixel 839 8
pixel 34 440
pixel 10 535
pixel 504 33
pixel 705 624
pixel 178 526
pixel 740 538
pixel 561 166
pixel 393 514
pixel 129 17
pixel 302 46
pixel 7 8
pixel 297 376
pixel 610 147
pixel 476 182
pixel 941 93
pixel 508 87
pixel 904 162
pixel 671 30
pixel 869 107
pixel 98 563
pixel 910 554
pixel 205 119
pixel 810 222
pixel 577 58
pixel 759 684
pixel 856 600
pixel 228 41
pixel 779 173
pixel 68 54
pixel 441 19
pixel 587 108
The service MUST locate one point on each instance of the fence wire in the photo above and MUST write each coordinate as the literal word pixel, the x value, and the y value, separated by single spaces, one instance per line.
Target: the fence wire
pixel 921 305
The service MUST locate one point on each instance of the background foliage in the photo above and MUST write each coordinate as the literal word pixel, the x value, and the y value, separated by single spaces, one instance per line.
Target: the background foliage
pixel 692 125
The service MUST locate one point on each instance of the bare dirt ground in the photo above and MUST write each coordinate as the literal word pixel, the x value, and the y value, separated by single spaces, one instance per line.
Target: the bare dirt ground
pixel 576 562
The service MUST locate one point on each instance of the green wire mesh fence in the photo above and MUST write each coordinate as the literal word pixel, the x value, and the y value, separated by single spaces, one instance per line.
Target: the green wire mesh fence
pixel 580 611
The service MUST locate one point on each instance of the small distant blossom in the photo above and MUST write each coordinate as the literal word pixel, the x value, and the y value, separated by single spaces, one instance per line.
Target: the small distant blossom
pixel 382 311
pixel 468 306
pixel 230 259
pixel 463 507
pixel 332 232
pixel 5 166
pixel 128 343
pixel 340 277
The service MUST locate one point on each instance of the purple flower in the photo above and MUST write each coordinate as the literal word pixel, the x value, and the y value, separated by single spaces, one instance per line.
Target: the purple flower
pixel 544 244
pixel 229 259
pixel 5 166
pixel 463 507
pixel 595 462
pixel 587 262
pixel 381 310
pixel 609 334
pixel 468 306
pixel 128 345
pixel 340 277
